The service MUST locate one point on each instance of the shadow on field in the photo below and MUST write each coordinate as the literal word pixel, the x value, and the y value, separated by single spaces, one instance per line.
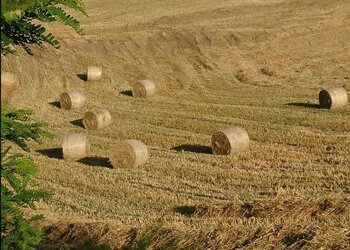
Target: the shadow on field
pixel 78 123
pixel 96 161
pixel 303 104
pixel 193 148
pixel 185 210
pixel 56 104
pixel 126 92
pixel 298 239
pixel 82 77
pixel 55 153
pixel 85 237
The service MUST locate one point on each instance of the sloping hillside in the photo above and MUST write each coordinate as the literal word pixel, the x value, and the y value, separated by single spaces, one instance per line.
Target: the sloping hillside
pixel 252 63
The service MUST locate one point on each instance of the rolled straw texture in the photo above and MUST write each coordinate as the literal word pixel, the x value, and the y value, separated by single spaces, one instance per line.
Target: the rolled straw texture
pixel 72 100
pixel 9 85
pixel 230 141
pixel 144 88
pixel 128 154
pixel 97 119
pixel 94 73
pixel 346 86
pixel 332 98
pixel 75 146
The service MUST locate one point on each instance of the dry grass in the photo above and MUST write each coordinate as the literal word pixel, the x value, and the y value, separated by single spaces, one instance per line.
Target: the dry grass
pixel 255 64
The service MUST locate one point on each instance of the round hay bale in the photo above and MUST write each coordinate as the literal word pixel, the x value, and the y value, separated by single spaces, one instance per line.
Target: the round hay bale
pixel 346 86
pixel 72 100
pixel 75 146
pixel 9 84
pixel 94 73
pixel 96 119
pixel 144 88
pixel 129 153
pixel 332 98
pixel 230 141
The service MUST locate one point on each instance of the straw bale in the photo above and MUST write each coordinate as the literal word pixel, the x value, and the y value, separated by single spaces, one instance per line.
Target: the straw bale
pixel 9 85
pixel 75 146
pixel 346 86
pixel 331 98
pixel 97 119
pixel 230 141
pixel 129 153
pixel 72 100
pixel 144 88
pixel 94 73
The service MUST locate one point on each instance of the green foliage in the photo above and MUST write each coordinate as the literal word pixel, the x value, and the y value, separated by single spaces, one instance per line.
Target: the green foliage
pixel 17 174
pixel 20 26
pixel 18 186
pixel 15 128
pixel 13 5
pixel 19 29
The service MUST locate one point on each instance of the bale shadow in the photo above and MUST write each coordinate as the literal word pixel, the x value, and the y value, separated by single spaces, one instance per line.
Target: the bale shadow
pixel 185 210
pixel 78 123
pixel 126 92
pixel 96 161
pixel 56 104
pixel 82 77
pixel 193 148
pixel 304 104
pixel 55 153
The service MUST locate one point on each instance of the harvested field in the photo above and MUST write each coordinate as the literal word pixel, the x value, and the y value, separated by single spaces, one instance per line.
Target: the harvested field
pixel 259 65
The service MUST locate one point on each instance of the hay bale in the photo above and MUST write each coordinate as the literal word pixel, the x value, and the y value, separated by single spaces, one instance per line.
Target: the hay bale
pixel 94 73
pixel 143 88
pixel 9 84
pixel 75 146
pixel 129 153
pixel 332 98
pixel 230 141
pixel 96 119
pixel 346 86
pixel 72 100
